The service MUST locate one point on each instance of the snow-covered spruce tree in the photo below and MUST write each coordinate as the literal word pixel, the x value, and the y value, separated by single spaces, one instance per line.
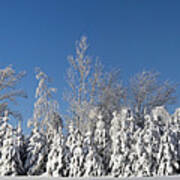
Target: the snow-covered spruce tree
pixel 175 133
pixel 93 164
pixel 167 152
pixel 77 160
pixel 167 163
pixel 36 152
pixel 10 161
pixel 126 142
pixel 4 126
pixel 154 148
pixel 55 163
pixel 101 141
pixel 21 145
pixel 68 148
pixel 144 149
pixel 74 153
pixel 161 118
pixel 116 157
pixel 56 157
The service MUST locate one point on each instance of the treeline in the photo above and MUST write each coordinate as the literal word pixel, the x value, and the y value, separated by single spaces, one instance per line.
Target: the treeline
pixel 123 150
pixel 112 129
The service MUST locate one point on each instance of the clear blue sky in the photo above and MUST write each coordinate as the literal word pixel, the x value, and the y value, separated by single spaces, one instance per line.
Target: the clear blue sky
pixel 132 35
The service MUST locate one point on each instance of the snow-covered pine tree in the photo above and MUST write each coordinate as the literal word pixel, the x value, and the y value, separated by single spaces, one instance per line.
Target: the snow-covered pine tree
pixel 167 159
pixel 74 152
pixel 71 138
pixel 77 160
pixel 7 162
pixel 93 164
pixel 175 133
pixel 36 152
pixel 55 163
pixel 54 127
pixel 165 166
pixel 144 149
pixel 4 126
pixel 101 141
pixel 128 129
pixel 20 143
pixel 116 156
pixel 10 161
pixel 125 139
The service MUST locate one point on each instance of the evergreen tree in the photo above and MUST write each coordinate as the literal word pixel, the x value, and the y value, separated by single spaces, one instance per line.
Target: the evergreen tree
pixel 4 126
pixel 168 159
pixel 115 162
pixel 93 164
pixel 175 134
pixel 74 152
pixel 144 149
pixel 36 152
pixel 20 143
pixel 167 164
pixel 55 163
pixel 126 131
pixel 10 162
pixel 101 141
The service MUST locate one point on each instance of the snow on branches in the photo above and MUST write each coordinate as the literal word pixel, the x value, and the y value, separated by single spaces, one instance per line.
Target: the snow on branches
pixel 150 150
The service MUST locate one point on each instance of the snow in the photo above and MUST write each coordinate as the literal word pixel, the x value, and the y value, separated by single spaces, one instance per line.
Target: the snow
pixel 92 178
pixel 132 151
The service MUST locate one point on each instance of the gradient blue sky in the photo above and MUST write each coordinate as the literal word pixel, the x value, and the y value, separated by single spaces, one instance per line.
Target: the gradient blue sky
pixel 132 35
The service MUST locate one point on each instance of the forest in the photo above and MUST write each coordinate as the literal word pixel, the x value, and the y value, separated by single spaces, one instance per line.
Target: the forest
pixel 110 128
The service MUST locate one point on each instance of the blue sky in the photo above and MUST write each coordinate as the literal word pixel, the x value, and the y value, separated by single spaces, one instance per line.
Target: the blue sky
pixel 132 35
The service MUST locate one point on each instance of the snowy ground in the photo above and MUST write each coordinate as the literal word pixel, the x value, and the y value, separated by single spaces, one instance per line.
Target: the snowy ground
pixel 105 178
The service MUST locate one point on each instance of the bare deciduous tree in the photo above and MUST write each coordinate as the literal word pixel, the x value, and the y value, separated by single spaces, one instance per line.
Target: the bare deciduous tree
pixel 90 86
pixel 112 94
pixel 146 91
pixel 8 92
pixel 82 82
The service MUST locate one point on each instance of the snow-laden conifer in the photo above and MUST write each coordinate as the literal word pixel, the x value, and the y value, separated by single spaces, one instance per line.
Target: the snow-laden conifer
pixel 115 162
pixel 166 162
pixel 20 143
pixel 125 141
pixel 4 126
pixel 36 152
pixel 167 159
pixel 76 167
pixel 144 149
pixel 101 141
pixel 10 162
pixel 74 152
pixel 93 164
pixel 7 162
pixel 175 133
pixel 55 163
